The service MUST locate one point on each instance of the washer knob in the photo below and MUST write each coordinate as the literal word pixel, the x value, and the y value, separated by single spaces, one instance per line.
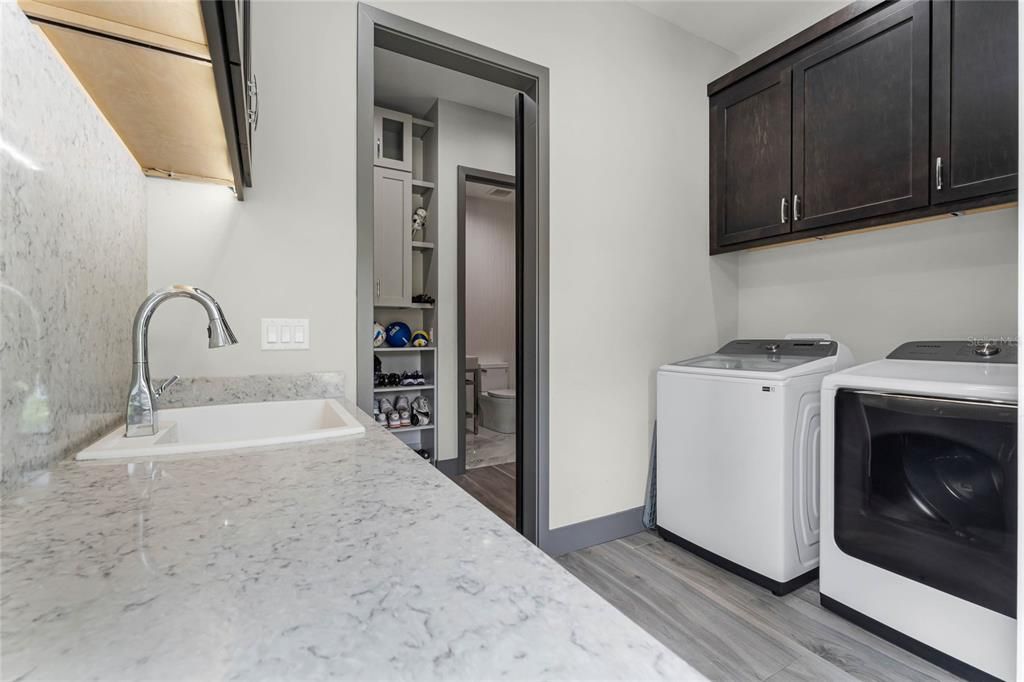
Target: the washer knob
pixel 772 347
pixel 986 349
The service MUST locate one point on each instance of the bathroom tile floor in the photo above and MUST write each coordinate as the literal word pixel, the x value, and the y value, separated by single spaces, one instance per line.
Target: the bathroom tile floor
pixel 489 448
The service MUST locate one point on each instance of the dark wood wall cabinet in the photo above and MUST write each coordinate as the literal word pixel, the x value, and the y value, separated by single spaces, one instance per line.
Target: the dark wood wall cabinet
pixel 227 24
pixel 882 113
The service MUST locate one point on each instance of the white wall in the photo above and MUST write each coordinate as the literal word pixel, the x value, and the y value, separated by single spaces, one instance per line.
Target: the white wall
pixel 288 250
pixel 490 281
pixel 951 278
pixel 631 283
pixel 478 139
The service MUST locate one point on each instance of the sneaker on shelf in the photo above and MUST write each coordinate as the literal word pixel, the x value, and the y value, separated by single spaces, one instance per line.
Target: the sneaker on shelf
pixel 382 419
pixel 386 407
pixel 420 411
pixel 425 454
pixel 402 403
pixel 404 417
pixel 394 420
pixel 418 378
pixel 408 379
pixel 379 379
pixel 376 407
pixel 394 379
pixel 423 298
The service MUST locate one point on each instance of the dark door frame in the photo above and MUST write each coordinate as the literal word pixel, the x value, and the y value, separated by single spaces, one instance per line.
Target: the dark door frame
pixel 486 177
pixel 377 28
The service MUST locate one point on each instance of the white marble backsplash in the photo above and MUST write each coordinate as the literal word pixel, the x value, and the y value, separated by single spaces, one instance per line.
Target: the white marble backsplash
pixel 72 257
pixel 253 388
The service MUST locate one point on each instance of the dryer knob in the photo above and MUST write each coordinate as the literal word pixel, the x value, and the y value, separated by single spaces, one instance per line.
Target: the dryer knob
pixel 772 347
pixel 987 349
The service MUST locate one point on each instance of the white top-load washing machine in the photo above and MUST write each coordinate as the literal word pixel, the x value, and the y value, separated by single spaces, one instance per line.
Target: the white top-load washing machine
pixel 919 501
pixel 737 455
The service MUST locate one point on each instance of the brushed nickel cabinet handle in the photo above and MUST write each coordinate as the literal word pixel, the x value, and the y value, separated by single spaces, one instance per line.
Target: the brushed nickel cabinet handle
pixel 796 207
pixel 378 147
pixel 938 173
pixel 378 288
pixel 784 210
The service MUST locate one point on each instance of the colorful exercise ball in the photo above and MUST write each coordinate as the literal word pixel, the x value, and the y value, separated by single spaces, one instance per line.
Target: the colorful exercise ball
pixel 420 339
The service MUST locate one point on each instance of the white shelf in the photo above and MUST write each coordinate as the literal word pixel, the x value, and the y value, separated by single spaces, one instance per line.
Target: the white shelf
pixel 422 187
pixel 406 349
pixel 412 306
pixel 421 127
pixel 400 389
pixel 409 429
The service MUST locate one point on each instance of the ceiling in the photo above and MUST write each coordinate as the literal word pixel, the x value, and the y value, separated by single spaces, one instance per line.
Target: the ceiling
pixel 745 27
pixel 411 86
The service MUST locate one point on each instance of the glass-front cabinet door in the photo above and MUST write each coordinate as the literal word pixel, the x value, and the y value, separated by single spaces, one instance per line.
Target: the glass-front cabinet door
pixel 392 139
pixel 927 488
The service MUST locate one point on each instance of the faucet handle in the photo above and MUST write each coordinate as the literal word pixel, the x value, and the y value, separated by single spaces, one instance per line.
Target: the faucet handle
pixel 165 385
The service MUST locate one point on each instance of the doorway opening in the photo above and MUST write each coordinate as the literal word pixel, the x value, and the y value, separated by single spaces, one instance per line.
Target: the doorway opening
pixel 488 258
pixel 389 283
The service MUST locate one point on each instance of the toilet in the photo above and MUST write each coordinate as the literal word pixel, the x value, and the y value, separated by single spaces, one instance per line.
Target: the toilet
pixel 497 401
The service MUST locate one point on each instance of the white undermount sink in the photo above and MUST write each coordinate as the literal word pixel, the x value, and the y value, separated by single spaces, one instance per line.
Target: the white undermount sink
pixel 228 427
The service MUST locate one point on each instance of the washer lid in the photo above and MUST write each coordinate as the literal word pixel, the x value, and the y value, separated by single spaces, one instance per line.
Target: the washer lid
pixel 763 355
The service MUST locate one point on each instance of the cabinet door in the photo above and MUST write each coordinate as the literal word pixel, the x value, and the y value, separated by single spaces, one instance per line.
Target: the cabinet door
pixel 392 237
pixel 750 159
pixel 860 121
pixel 392 139
pixel 974 98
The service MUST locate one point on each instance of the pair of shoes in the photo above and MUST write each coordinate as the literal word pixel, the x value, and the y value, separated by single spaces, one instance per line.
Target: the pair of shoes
pixel 423 298
pixel 414 378
pixel 393 415
pixel 420 411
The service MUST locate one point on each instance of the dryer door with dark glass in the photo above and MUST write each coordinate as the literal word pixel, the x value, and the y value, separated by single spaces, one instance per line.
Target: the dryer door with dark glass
pixel 927 488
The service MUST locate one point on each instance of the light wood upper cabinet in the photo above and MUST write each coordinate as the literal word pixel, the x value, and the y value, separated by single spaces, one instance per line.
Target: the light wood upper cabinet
pixel 171 24
pixel 162 106
pixel 166 75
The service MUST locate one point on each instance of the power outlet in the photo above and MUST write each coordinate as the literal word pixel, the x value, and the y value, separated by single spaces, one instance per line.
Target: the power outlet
pixel 277 333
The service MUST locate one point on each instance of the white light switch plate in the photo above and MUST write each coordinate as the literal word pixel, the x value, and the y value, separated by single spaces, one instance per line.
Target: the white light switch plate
pixel 279 333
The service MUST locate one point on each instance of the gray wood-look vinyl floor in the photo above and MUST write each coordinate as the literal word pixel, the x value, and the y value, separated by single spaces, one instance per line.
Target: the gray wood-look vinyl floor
pixel 494 487
pixel 730 629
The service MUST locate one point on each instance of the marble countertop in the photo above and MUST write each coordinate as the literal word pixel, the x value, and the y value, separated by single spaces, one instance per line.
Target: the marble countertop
pixel 345 558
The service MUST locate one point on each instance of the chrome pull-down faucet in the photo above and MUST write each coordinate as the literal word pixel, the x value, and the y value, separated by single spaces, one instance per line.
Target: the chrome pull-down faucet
pixel 140 415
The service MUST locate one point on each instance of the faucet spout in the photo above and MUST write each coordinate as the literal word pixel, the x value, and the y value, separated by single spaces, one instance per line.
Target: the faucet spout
pixel 141 414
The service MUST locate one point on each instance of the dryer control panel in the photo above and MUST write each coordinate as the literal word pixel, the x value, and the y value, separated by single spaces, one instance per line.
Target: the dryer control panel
pixel 1000 351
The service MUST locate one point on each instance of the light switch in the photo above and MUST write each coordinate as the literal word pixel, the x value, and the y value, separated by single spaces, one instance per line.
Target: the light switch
pixel 284 334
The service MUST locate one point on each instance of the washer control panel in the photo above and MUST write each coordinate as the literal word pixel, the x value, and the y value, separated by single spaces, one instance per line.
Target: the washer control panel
pixel 999 351
pixel 804 348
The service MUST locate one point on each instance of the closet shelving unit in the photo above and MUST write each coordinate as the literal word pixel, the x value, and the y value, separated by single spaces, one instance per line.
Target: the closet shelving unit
pixel 405 180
